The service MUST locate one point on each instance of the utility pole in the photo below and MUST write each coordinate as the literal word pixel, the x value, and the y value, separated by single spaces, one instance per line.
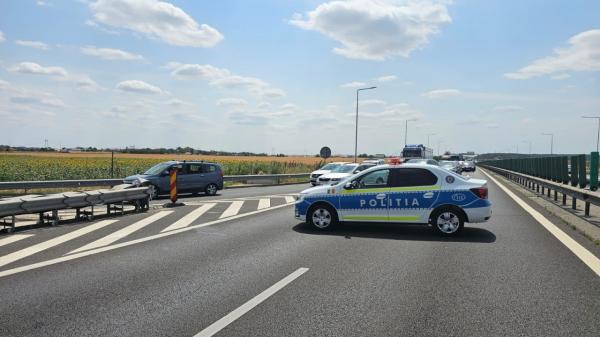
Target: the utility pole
pixel 551 140
pixel 356 125
pixel 598 136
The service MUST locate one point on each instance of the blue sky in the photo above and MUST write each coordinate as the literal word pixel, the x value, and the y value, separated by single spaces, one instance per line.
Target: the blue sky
pixel 281 75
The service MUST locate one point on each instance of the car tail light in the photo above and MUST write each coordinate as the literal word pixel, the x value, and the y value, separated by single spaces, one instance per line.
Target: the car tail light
pixel 221 172
pixel 480 192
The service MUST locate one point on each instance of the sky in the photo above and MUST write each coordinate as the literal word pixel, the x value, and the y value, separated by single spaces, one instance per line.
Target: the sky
pixel 281 76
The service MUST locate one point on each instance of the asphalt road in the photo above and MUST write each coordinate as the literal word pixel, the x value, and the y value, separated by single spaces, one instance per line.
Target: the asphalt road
pixel 506 277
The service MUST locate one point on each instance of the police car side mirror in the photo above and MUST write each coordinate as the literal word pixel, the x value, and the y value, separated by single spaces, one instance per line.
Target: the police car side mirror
pixel 348 186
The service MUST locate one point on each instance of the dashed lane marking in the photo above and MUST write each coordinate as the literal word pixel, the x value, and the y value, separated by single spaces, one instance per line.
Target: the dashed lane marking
pixel 127 243
pixel 233 209
pixel 107 240
pixel 20 254
pixel 189 218
pixel 244 308
pixel 264 203
pixel 14 238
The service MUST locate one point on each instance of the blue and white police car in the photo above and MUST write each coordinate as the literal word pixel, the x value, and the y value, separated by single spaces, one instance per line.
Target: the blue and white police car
pixel 408 193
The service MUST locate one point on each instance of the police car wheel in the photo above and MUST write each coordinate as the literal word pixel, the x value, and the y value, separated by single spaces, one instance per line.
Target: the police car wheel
pixel 447 221
pixel 322 217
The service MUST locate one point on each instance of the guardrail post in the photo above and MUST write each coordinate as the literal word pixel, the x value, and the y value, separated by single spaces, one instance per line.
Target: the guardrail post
pixel 574 170
pixel 565 169
pixel 574 203
pixel 582 171
pixel 594 171
pixel 587 208
pixel 564 200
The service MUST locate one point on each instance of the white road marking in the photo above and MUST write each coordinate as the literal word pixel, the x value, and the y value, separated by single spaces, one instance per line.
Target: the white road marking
pixel 189 218
pixel 14 238
pixel 129 243
pixel 12 257
pixel 121 233
pixel 244 308
pixel 583 254
pixel 289 199
pixel 233 209
pixel 264 203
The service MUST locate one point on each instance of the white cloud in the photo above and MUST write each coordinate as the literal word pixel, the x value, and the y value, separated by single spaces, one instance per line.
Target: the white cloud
pixel 508 108
pixel 2 39
pixel 370 102
pixel 386 78
pixel 27 97
pixel 110 53
pixel 375 29
pixel 155 19
pixel 583 54
pixel 36 69
pixel 232 102
pixel 223 78
pixel 85 83
pixel 353 84
pixel 139 87
pixel 32 44
pixel 562 76
pixel 441 93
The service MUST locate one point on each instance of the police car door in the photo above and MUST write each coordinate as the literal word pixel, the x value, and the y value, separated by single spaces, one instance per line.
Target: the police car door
pixel 367 197
pixel 412 193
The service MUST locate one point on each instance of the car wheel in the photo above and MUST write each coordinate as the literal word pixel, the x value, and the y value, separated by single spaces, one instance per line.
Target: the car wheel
pixel 322 217
pixel 153 191
pixel 447 221
pixel 211 189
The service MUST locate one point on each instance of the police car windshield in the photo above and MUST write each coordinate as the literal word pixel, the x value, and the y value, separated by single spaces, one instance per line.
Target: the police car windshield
pixel 330 167
pixel 157 169
pixel 344 169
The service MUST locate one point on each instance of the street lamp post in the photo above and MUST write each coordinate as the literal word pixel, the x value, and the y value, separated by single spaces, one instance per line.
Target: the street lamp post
pixel 598 137
pixel 431 134
pixel 356 126
pixel 551 140
pixel 529 142
pixel 406 130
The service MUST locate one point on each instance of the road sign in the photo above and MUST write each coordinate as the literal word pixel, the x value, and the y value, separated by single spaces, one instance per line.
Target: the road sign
pixel 325 152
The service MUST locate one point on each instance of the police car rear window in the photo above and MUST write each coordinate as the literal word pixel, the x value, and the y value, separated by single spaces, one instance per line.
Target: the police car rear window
pixel 404 177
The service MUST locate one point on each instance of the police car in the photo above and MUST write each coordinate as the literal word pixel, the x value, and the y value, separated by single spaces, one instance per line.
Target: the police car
pixel 408 193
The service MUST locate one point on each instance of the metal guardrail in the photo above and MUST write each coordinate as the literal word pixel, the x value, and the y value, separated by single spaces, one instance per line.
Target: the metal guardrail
pixel 41 204
pixel 546 187
pixel 28 185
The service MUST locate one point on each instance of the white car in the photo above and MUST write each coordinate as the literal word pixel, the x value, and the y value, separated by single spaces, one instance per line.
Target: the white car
pixel 324 170
pixel 374 161
pixel 342 172
pixel 408 193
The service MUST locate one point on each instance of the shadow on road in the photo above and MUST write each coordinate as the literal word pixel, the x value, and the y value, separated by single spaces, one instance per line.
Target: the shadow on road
pixel 398 232
pixel 185 196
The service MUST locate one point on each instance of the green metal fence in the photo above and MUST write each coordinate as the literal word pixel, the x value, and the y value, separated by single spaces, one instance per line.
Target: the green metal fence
pixel 573 170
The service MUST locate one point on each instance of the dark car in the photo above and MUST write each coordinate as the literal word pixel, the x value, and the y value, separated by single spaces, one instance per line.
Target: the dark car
pixel 451 166
pixel 192 177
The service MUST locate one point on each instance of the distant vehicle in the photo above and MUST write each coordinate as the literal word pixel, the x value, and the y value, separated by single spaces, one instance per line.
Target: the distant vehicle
pixel 423 161
pixel 417 151
pixel 342 172
pixel 192 177
pixel 453 166
pixel 324 170
pixel 408 193
pixel 468 166
pixel 374 161
pixel 453 157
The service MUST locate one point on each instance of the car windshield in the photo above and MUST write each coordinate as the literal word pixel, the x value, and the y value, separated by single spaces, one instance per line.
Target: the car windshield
pixel 330 167
pixel 157 169
pixel 344 169
pixel 417 161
